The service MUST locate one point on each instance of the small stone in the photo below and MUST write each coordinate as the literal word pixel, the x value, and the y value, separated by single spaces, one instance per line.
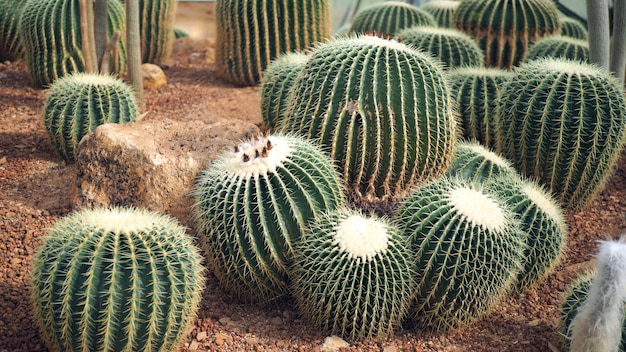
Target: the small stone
pixel 193 346
pixel 390 349
pixel 3 160
pixel 153 76
pixel 276 321
pixel 333 343
pixel 534 322
pixel 226 321
pixel 221 338
pixel 201 336
pixel 252 340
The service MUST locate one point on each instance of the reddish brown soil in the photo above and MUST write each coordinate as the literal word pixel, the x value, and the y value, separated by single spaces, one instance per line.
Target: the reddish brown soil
pixel 34 193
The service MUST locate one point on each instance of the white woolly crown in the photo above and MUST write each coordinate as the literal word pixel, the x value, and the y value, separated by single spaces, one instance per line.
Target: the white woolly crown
pixel 361 237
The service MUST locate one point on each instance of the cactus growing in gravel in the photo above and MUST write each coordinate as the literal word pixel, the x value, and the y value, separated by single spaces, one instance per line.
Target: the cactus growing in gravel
pixel 558 46
pixel 453 48
pixel 469 249
pixel 10 46
pixel 473 161
pixel 382 110
pixel 275 85
pixel 253 33
pixel 443 11
pixel 573 28
pixel 251 206
pixel 504 29
pixel 476 90
pixel 389 17
pixel 543 221
pixel 116 280
pixel 80 102
pixel 563 123
pixel 50 34
pixel 353 275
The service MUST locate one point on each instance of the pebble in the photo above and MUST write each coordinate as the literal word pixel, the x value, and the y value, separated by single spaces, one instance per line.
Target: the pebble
pixel 221 338
pixel 193 346
pixel 201 336
pixel 390 349
pixel 252 340
pixel 333 343
pixel 276 321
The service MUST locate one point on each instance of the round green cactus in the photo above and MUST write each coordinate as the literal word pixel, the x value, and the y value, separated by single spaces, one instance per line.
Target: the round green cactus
pixel 557 46
pixel 157 30
pixel 543 221
pixel 573 28
pixel 443 11
pixel 504 29
pixel 10 46
pixel 562 122
pixel 387 18
pixel 469 249
pixel 80 102
pixel 50 34
pixel 473 161
pixel 116 280
pixel 275 85
pixel 252 204
pixel 382 110
pixel 353 275
pixel 476 91
pixel 452 47
pixel 253 33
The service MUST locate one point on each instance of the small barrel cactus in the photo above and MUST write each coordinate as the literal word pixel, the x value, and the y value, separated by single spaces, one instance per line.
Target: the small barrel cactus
pixel 50 33
pixel 253 33
pixel 452 47
pixel 543 221
pixel 443 11
pixel 276 84
pixel 476 91
pixel 156 25
pixel 504 29
pixel 353 275
pixel 10 46
pixel 252 204
pixel 563 122
pixel 116 280
pixel 80 102
pixel 473 161
pixel 573 28
pixel 389 17
pixel 382 110
pixel 557 46
pixel 469 249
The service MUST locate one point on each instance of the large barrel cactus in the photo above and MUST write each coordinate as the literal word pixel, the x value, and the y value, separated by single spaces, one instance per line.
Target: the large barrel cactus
pixel 451 47
pixel 252 204
pixel 50 33
pixel 250 34
pixel 382 110
pixel 353 275
pixel 504 29
pixel 543 221
pixel 473 161
pixel 80 102
pixel 442 10
pixel 156 24
pixel 469 249
pixel 10 46
pixel 389 17
pixel 476 91
pixel 563 122
pixel 557 46
pixel 573 28
pixel 116 280
pixel 276 84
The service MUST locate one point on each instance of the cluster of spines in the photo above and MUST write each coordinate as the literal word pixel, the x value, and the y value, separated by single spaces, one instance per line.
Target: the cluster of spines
pixel 559 47
pixel 442 10
pixel 573 28
pixel 475 162
pixel 389 17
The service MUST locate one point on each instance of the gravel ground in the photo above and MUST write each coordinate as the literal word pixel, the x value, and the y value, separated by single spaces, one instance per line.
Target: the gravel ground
pixel 35 192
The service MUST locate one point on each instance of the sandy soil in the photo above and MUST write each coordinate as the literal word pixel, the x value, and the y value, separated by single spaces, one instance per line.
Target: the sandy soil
pixel 34 193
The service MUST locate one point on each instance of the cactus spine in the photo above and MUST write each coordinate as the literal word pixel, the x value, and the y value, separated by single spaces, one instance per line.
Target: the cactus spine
pixel 80 102
pixel 453 48
pixel 253 33
pixel 353 275
pixel 116 280
pixel 253 203
pixel 10 46
pixel 382 110
pixel 505 28
pixel 563 123
pixel 477 90
pixel 473 161
pixel 469 250
pixel 543 221
pixel 573 28
pixel 443 11
pixel 557 46
pixel 50 33
pixel 276 84
pixel 389 17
